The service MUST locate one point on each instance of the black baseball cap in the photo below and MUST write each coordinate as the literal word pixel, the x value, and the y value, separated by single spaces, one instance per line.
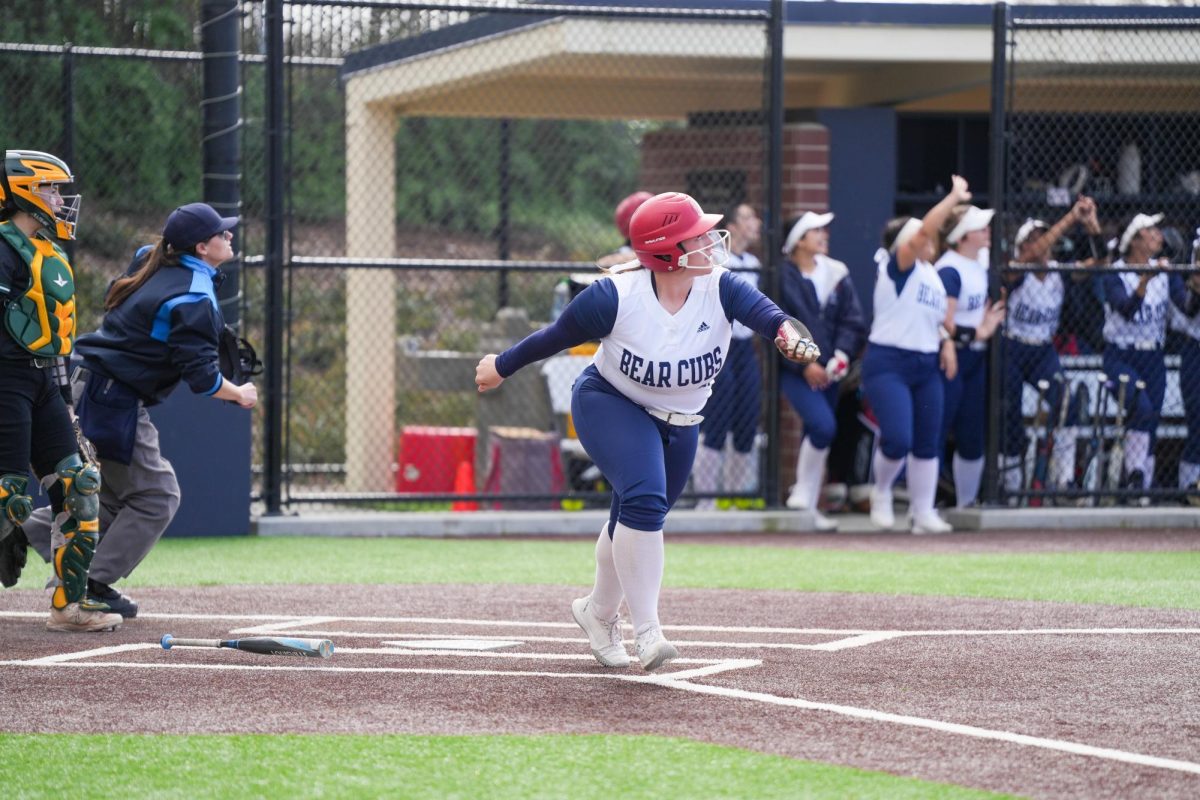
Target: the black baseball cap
pixel 189 225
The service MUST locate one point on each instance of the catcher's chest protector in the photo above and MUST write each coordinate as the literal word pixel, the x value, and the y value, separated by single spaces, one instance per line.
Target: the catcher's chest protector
pixel 42 320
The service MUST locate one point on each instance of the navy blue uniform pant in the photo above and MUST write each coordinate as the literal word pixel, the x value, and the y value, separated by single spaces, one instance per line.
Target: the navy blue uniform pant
pixel 1029 363
pixel 1143 408
pixel 964 404
pixel 1189 386
pixel 735 404
pixel 816 408
pixel 35 428
pixel 645 460
pixel 904 388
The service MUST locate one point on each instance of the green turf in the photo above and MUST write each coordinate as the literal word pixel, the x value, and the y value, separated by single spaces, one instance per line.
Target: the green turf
pixel 436 767
pixel 1151 579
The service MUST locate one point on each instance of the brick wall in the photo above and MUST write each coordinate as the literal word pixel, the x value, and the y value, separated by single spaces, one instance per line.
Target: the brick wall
pixel 669 156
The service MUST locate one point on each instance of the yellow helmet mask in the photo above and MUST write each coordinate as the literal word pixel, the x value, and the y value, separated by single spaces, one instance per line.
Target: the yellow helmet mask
pixel 30 183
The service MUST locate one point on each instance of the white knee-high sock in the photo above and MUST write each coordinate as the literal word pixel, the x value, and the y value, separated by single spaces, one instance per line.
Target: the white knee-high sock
pixel 968 474
pixel 1062 458
pixel 606 592
pixel 706 470
pixel 810 470
pixel 886 471
pixel 1189 474
pixel 739 473
pixel 639 557
pixel 1137 449
pixel 922 485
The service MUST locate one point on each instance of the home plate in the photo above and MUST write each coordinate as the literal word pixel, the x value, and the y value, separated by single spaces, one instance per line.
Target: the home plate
pixel 455 644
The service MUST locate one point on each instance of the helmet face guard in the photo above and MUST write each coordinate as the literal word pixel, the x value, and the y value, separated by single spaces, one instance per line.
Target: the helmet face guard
pixel 712 252
pixel 32 180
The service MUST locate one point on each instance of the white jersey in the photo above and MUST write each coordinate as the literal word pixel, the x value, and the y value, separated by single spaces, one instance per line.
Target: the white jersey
pixel 665 361
pixel 826 275
pixel 1149 324
pixel 909 319
pixel 744 261
pixel 972 295
pixel 1034 308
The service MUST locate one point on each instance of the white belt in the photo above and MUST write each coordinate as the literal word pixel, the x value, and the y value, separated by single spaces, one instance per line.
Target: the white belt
pixel 1149 344
pixel 1026 340
pixel 675 418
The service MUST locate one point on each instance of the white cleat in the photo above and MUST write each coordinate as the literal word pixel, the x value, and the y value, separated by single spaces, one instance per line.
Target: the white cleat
pixel 931 523
pixel 76 619
pixel 603 637
pixel 654 651
pixel 823 523
pixel 882 515
pixel 796 500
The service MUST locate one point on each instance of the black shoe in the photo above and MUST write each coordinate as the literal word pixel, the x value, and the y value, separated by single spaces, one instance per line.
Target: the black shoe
pixel 101 594
pixel 1134 481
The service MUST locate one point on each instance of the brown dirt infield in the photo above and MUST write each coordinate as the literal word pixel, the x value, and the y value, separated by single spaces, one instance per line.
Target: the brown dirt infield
pixel 1130 692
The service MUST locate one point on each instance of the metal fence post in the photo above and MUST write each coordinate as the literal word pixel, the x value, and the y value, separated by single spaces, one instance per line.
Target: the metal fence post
pixel 771 241
pixel 999 254
pixel 273 421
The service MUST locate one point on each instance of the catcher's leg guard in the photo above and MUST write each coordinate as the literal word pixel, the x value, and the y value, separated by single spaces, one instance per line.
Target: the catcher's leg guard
pixel 76 528
pixel 15 505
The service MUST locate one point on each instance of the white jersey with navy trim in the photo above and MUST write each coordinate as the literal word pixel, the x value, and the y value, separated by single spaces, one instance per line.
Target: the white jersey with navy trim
pixel 909 319
pixel 665 361
pixel 1034 307
pixel 973 290
pixel 1149 323
pixel 743 261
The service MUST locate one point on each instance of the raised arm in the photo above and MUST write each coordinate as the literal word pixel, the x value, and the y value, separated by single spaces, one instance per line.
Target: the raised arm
pixel 908 252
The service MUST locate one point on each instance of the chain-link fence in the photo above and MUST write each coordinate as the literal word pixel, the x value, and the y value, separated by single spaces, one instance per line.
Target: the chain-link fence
pixel 452 180
pixel 1098 383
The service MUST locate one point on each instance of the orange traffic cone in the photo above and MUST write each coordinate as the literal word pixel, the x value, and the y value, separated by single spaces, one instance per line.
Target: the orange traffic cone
pixel 464 483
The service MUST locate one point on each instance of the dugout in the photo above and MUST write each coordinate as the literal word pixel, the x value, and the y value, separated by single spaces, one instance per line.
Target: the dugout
pixel 865 84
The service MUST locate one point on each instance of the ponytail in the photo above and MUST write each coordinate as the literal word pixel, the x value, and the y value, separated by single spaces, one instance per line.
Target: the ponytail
pixel 123 287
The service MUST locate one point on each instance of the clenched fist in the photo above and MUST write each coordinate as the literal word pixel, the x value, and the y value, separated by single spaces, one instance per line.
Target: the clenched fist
pixel 795 342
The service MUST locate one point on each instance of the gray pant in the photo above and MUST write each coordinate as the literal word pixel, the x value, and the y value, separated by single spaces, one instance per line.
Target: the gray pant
pixel 137 502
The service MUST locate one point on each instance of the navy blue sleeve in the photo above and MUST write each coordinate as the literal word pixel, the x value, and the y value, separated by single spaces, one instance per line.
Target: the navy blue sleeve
pixel 850 332
pixel 1124 302
pixel 951 280
pixel 589 316
pixel 749 306
pixel 1183 299
pixel 193 340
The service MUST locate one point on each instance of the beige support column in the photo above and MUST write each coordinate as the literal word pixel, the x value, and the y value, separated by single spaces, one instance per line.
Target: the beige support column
pixel 370 296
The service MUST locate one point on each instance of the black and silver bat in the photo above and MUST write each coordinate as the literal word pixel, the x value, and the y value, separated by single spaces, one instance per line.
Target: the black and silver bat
pixel 1041 465
pixel 1034 452
pixel 1116 453
pixel 263 645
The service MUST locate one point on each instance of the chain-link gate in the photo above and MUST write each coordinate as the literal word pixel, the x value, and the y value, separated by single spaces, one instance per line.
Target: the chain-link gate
pixel 452 178
pixel 1098 378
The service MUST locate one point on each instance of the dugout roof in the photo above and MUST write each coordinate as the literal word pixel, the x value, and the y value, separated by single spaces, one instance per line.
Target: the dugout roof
pixel 932 57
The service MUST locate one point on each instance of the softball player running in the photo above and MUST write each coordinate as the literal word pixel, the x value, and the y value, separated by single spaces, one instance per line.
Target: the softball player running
pixel 664 323
pixel 734 408
pixel 971 321
pixel 1135 330
pixel 818 291
pixel 906 347
pixel 1035 301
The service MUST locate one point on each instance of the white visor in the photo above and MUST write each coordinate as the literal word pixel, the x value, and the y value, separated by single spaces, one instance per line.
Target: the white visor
pixel 1138 223
pixel 975 219
pixel 1026 230
pixel 910 228
pixel 809 222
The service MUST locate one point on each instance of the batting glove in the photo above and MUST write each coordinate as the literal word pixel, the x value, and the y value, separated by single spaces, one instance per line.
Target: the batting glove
pixel 838 366
pixel 795 342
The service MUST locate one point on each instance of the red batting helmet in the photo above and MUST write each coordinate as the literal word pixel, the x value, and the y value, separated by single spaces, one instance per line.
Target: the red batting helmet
pixel 625 210
pixel 661 223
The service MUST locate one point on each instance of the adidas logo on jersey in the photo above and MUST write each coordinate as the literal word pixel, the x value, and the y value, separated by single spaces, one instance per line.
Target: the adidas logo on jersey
pixel 703 327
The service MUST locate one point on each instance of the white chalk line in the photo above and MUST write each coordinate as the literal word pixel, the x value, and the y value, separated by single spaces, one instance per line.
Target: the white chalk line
pixel 1075 748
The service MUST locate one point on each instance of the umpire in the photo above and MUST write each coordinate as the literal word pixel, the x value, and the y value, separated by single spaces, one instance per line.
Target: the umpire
pixel 162 325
